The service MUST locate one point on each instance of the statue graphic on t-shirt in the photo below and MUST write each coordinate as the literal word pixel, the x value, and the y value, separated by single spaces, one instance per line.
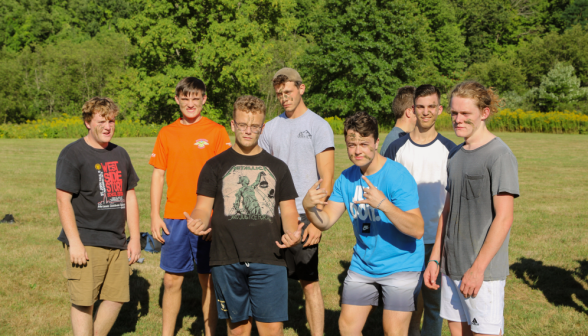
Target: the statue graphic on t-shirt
pixel 247 192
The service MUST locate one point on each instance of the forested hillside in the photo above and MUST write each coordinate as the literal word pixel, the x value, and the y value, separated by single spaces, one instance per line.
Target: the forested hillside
pixel 352 54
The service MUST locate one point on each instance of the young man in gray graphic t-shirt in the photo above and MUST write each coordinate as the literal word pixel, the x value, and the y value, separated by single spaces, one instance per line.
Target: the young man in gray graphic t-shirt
pixel 474 227
pixel 305 142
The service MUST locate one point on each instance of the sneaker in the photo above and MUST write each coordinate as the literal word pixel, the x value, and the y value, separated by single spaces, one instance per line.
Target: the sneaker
pixel 9 219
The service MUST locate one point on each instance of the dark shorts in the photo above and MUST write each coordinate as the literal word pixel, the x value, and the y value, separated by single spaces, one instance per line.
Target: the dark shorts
pixel 255 290
pixel 302 262
pixel 182 249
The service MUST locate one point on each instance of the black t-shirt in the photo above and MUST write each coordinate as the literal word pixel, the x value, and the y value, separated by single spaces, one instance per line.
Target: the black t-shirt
pixel 98 180
pixel 247 191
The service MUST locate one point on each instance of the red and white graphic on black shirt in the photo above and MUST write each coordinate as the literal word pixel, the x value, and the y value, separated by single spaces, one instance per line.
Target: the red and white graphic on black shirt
pixel 111 186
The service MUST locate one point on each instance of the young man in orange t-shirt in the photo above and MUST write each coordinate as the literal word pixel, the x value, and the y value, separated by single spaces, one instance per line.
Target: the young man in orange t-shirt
pixel 182 148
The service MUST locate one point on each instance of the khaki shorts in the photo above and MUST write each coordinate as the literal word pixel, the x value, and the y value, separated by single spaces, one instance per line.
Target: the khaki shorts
pixel 105 277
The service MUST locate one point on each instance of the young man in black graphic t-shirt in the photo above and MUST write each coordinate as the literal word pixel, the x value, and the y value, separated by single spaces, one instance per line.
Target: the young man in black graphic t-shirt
pixel 95 183
pixel 244 186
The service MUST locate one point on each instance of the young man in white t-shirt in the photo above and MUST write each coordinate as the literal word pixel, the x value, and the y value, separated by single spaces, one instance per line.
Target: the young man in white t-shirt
pixel 424 153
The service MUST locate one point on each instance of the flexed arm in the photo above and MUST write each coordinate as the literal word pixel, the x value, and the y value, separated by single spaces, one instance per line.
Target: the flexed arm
pixel 331 212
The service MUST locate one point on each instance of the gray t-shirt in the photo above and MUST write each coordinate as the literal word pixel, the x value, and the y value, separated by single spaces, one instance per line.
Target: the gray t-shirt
pixel 394 134
pixel 297 142
pixel 473 178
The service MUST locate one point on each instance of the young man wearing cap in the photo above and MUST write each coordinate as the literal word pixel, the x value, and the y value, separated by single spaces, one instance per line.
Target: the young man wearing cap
pixel 246 186
pixel 403 114
pixel 424 152
pixel 182 148
pixel 304 141
pixel 95 183
pixel 388 255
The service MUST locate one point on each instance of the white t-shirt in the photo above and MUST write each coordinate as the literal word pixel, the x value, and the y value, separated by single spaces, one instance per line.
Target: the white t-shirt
pixel 428 165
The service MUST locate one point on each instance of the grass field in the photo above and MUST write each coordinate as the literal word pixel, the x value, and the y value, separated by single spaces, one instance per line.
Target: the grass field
pixel 546 292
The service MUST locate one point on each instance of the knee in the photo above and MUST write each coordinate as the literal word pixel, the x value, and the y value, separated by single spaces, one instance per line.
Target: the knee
pixel 347 327
pixel 239 330
pixel 310 287
pixel 172 281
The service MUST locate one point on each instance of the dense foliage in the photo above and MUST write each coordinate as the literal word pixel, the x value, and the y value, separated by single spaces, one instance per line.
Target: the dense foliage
pixel 353 54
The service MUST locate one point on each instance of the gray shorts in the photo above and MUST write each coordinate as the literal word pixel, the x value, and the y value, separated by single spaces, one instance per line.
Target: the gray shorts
pixel 399 290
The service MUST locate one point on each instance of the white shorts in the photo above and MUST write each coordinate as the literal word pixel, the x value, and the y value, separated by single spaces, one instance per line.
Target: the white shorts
pixel 484 313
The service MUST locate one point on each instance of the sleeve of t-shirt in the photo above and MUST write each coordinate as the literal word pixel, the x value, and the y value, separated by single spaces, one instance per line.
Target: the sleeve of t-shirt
pixel 337 194
pixel 159 155
pixel 405 194
pixel 132 177
pixel 264 141
pixel 323 138
pixel 504 176
pixel 287 188
pixel 223 142
pixel 394 147
pixel 67 175
pixel 208 181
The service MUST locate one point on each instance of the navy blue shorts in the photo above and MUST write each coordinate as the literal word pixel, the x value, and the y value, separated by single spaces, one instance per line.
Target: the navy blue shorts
pixel 255 290
pixel 182 248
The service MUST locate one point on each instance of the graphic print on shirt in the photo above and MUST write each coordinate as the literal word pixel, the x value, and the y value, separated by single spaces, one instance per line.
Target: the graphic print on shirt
pixel 362 212
pixel 249 193
pixel 111 186
pixel 305 135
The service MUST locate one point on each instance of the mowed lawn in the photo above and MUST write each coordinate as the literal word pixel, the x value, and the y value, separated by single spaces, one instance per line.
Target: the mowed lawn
pixel 546 292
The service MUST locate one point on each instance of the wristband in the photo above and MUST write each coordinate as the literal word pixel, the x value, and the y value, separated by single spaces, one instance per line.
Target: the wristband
pixel 378 207
pixel 436 262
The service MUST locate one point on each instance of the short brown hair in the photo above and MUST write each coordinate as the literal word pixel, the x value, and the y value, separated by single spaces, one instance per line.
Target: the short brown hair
pixel 249 104
pixel 190 85
pixel 99 105
pixel 426 90
pixel 282 79
pixel 484 97
pixel 362 123
pixel 404 99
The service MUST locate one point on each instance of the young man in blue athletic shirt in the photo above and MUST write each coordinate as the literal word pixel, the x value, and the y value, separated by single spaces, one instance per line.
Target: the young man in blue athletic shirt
pixel 381 198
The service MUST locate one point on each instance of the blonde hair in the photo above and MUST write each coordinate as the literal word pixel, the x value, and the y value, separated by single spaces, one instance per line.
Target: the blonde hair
pixel 105 107
pixel 249 104
pixel 484 97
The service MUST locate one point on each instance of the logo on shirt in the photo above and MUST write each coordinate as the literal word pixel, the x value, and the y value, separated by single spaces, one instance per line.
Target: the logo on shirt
pixel 152 154
pixel 305 135
pixel 110 183
pixel 229 144
pixel 362 211
pixel 201 143
pixel 249 193
pixel 366 227
pixel 474 322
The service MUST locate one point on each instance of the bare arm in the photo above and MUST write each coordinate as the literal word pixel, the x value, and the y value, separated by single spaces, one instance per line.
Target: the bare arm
pixel 77 251
pixel 199 220
pixel 408 222
pixel 504 209
pixel 432 270
pixel 325 163
pixel 157 224
pixel 134 248
pixel 292 229
pixel 331 212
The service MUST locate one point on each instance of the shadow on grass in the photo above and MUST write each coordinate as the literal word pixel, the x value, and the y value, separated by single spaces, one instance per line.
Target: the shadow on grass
pixel 136 308
pixel 191 306
pixel 557 284
pixel 297 312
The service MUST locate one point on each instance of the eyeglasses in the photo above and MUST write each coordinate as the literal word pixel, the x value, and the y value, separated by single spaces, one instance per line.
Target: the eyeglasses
pixel 254 128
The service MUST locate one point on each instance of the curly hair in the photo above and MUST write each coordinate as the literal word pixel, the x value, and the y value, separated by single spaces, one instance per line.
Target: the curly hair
pixel 362 123
pixel 249 104
pixel 484 97
pixel 99 105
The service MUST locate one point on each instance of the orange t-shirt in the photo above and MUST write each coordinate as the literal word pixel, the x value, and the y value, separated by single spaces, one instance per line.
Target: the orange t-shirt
pixel 182 150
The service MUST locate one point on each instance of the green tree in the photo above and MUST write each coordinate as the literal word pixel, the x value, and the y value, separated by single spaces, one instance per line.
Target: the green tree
pixel 560 89
pixel 365 51
pixel 576 13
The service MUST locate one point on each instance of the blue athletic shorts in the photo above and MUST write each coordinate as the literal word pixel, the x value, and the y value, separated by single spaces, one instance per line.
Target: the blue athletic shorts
pixel 182 248
pixel 255 290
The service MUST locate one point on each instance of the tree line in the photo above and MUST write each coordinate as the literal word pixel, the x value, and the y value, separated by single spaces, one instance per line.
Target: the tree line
pixel 352 54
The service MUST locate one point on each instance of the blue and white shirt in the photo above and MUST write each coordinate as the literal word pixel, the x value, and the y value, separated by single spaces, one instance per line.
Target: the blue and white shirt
pixel 380 249
pixel 428 165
